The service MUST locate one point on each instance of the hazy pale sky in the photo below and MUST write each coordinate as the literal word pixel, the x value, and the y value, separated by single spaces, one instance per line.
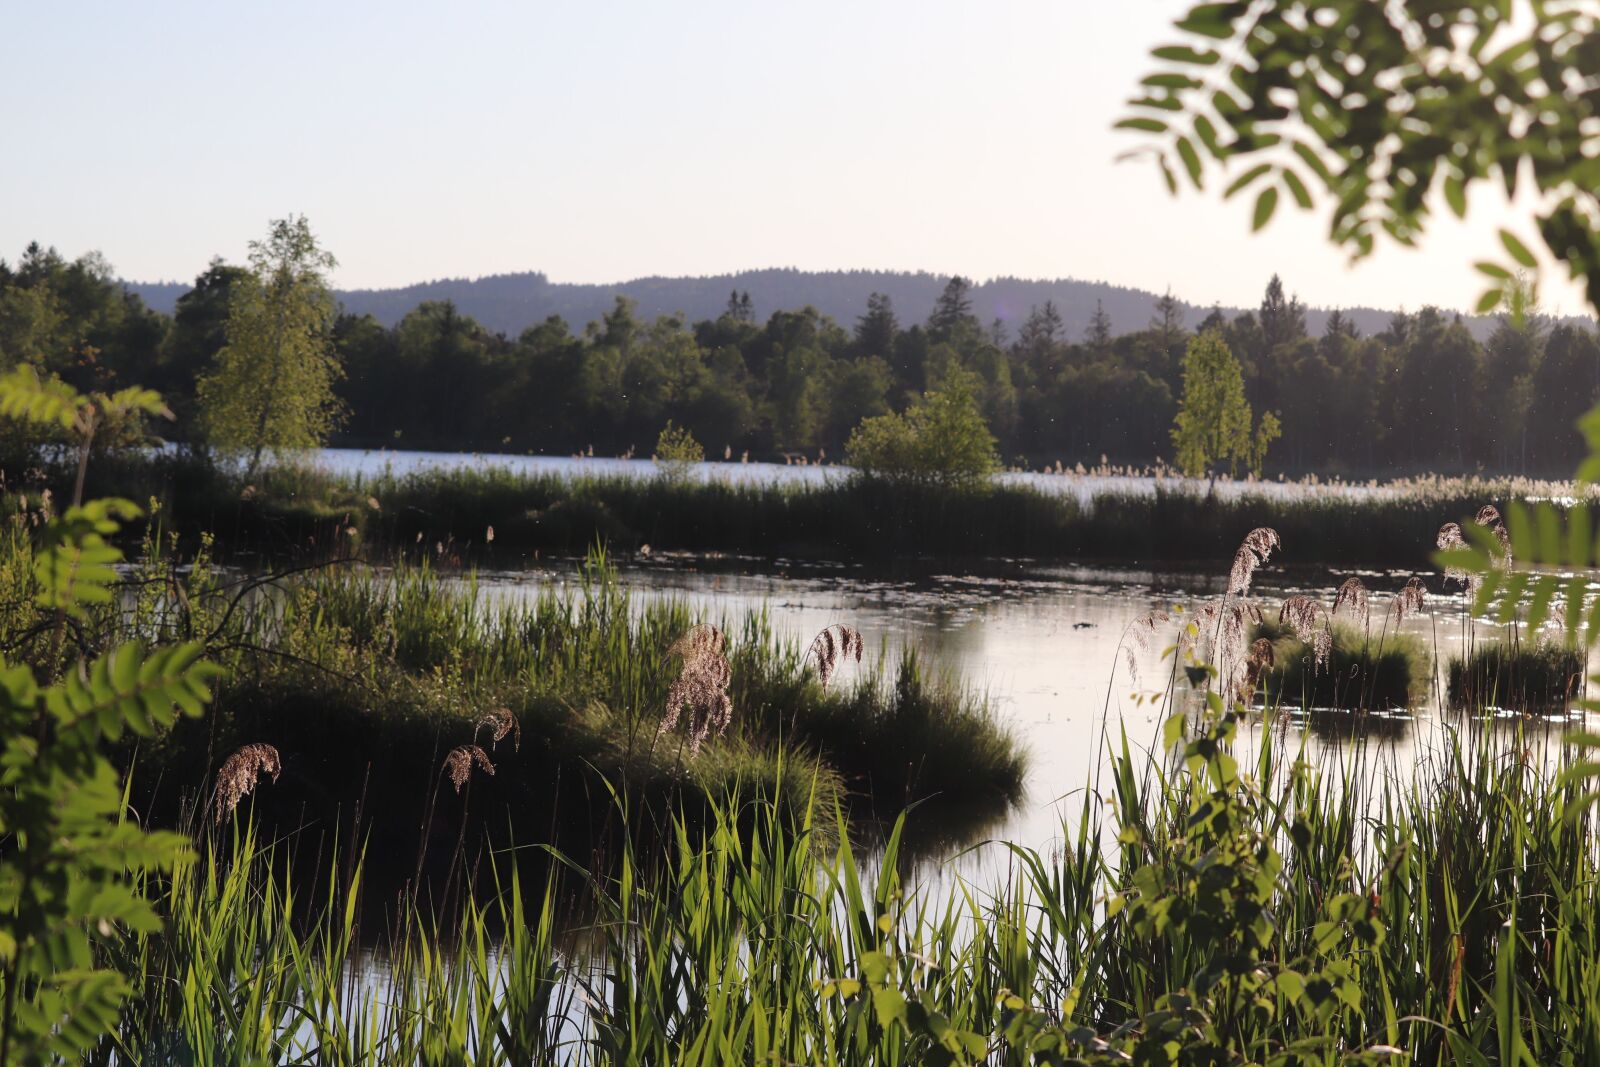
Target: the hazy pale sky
pixel 600 141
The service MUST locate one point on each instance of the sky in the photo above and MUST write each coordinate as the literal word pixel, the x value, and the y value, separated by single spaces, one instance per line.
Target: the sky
pixel 607 140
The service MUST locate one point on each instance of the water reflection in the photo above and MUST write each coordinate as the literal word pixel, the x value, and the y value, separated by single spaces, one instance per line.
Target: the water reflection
pixel 1047 647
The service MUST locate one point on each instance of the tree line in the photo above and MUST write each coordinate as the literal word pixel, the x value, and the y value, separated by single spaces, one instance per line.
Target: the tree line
pixel 1422 394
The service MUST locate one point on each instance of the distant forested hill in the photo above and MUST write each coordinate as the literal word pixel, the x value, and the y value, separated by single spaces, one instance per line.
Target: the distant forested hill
pixel 508 303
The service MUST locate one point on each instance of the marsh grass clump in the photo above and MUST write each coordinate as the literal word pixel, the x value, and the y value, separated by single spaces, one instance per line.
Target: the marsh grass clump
pixel 1359 672
pixel 1538 678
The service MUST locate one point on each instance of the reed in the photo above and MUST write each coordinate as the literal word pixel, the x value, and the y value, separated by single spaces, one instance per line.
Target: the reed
pixel 1439 916
pixel 1536 677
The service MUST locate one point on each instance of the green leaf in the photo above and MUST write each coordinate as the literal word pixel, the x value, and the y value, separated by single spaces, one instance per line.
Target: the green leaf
pixel 1143 123
pixel 1493 270
pixel 1489 300
pixel 1297 188
pixel 1246 178
pixel 1177 53
pixel 1191 160
pixel 1518 250
pixel 1455 194
pixel 1266 204
pixel 1211 20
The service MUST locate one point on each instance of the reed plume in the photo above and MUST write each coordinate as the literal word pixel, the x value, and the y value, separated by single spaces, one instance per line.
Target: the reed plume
pixel 1409 599
pixel 239 773
pixel 1489 516
pixel 458 764
pixel 701 687
pixel 832 646
pixel 1353 595
pixel 499 723
pixel 1257 545
pixel 1256 664
pixel 697 641
pixel 1300 614
pixel 1141 630
pixel 1449 539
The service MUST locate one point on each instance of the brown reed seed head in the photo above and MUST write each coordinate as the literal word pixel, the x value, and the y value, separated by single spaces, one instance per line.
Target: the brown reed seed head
pixel 832 646
pixel 1450 538
pixel 700 640
pixel 1353 595
pixel 1141 630
pixel 1257 545
pixel 1256 664
pixel 701 687
pixel 1489 516
pixel 1409 599
pixel 239 773
pixel 1300 614
pixel 1230 655
pixel 499 723
pixel 458 764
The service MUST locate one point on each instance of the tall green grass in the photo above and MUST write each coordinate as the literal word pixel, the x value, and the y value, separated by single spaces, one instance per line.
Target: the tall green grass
pixel 1196 912
pixel 1538 677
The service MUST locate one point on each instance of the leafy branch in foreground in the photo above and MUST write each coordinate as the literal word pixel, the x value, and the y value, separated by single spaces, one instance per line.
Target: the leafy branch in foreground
pixel 68 854
pixel 52 402
pixel 1386 109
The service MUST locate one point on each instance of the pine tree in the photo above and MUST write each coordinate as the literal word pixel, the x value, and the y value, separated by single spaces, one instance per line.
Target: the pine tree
pixel 1098 335
pixel 876 330
pixel 953 310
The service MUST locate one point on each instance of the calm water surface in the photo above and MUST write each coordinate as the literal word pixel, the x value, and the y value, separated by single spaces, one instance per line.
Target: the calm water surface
pixel 372 463
pixel 1048 649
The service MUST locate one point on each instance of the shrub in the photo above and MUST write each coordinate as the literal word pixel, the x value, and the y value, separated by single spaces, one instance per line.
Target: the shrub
pixel 941 439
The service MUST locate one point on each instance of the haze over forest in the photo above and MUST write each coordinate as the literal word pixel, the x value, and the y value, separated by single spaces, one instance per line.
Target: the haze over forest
pixel 509 303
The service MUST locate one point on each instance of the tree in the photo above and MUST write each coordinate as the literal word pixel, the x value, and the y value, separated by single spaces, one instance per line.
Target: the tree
pixel 1282 318
pixel 952 312
pixel 1098 335
pixel 1386 110
pixel 677 452
pixel 271 386
pixel 941 440
pixel 876 330
pixel 740 308
pixel 1213 422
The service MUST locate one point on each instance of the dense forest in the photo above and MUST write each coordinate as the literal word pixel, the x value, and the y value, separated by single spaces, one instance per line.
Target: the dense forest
pixel 1422 394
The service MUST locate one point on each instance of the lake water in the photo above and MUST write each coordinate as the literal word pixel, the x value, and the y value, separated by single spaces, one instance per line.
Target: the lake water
pixel 1047 648
pixel 372 463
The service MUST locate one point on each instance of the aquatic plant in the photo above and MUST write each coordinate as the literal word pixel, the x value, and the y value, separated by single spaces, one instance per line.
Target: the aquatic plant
pixel 459 761
pixel 239 773
pixel 833 645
